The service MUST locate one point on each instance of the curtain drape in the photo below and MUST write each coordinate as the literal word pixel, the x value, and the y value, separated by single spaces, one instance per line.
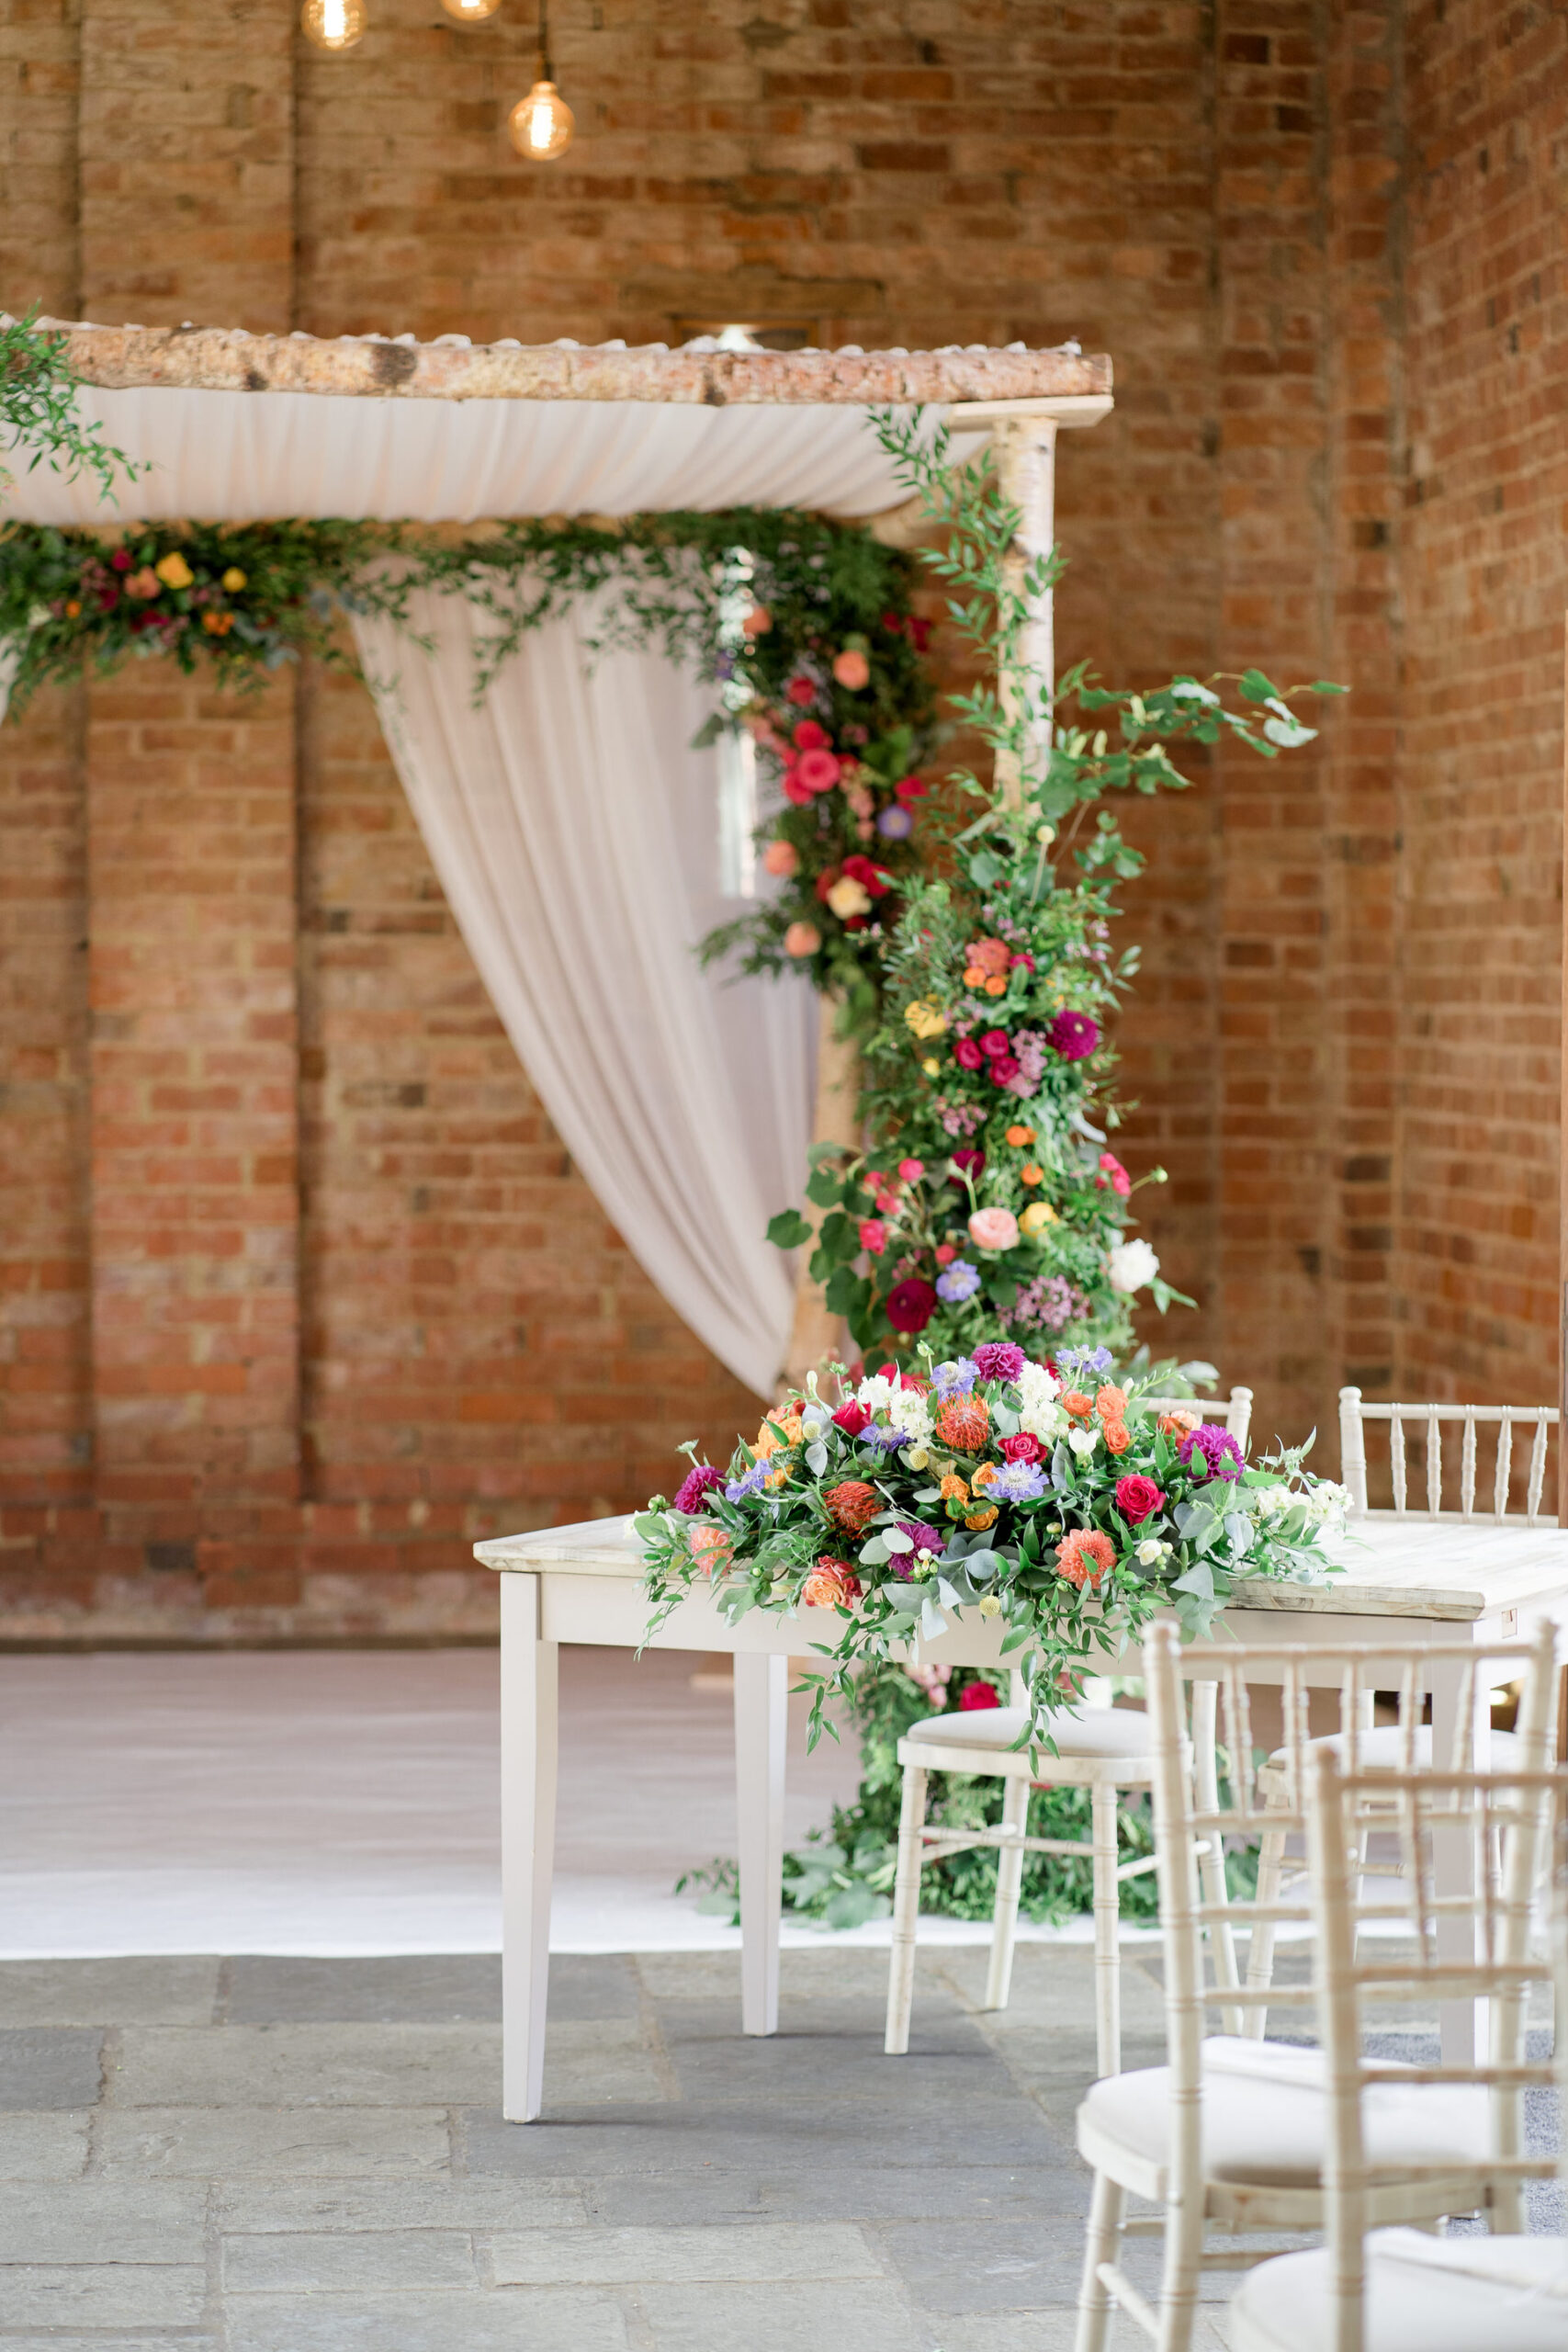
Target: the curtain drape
pixel 575 834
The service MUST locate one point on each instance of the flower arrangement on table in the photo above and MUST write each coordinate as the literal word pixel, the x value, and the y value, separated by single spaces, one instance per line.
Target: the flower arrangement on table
pixel 1048 1496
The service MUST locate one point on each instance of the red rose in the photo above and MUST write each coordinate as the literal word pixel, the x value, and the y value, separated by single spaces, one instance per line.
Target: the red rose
pixel 976 1695
pixel 122 558
pixel 968 1163
pixel 800 691
pixel 1027 962
pixel 1023 1448
pixel 809 737
pixel 1004 1069
pixel 994 1043
pixel 910 1305
pixel 870 876
pixel 968 1054
pixel 851 1419
pixel 909 787
pixel 1138 1499
pixel 794 790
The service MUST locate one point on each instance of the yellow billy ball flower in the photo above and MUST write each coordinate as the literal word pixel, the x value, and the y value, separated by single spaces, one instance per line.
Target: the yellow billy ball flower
pixel 989 1605
pixel 235 579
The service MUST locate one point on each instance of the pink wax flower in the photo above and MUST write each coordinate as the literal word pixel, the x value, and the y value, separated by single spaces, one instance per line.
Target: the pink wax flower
pixel 802 939
pixel 817 771
pixel 911 1171
pixel 810 737
pixel 800 691
pixel 851 669
pixel 781 858
pixel 968 1054
pixel 993 1229
pixel 994 1043
pixel 872 1235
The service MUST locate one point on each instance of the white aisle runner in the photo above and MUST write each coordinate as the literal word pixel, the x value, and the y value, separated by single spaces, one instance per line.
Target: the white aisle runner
pixel 346 1803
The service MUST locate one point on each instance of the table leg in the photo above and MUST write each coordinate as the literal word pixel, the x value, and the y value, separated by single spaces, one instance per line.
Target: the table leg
pixel 761 1717
pixel 529 1685
pixel 1461 2025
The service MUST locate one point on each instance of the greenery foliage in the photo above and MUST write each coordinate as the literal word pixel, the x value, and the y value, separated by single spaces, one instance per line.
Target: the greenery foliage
pixel 38 410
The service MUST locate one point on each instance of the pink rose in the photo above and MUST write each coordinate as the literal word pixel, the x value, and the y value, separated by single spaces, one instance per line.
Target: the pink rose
pixel 1112 1173
pixel 816 771
pixel 1023 1448
pixel 794 790
pixel 1004 1069
pixel 809 737
pixel 975 1696
pixel 851 669
pixel 911 1171
pixel 873 1236
pixel 945 1254
pixel 1137 1500
pixel 968 1054
pixel 781 858
pixel 802 939
pixel 994 1043
pixel 993 1229
pixel 909 787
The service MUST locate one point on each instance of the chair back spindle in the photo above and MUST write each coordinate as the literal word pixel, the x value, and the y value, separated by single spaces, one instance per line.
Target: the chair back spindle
pixel 1428 1422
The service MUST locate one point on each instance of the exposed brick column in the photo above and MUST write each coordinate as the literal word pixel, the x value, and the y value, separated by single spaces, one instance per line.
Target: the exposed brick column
pixel 194 1199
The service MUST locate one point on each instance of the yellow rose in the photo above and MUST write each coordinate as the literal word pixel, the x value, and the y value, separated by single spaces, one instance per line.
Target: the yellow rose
pixel 924 1019
pixel 174 570
pixel 931 1067
pixel 849 897
pixel 1037 1216
pixel 978 1519
pixel 235 579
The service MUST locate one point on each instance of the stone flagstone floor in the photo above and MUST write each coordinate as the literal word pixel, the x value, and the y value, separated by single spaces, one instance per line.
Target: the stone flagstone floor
pixel 307 2155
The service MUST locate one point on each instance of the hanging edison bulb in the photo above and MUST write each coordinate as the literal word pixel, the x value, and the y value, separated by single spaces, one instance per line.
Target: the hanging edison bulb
pixel 333 24
pixel 541 125
pixel 470 12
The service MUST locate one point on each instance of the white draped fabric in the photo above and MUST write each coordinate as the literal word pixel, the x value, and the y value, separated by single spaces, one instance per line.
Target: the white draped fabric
pixel 574 833
pixel 234 457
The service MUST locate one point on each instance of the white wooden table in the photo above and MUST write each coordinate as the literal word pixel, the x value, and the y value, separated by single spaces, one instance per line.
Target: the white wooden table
pixel 1407 1580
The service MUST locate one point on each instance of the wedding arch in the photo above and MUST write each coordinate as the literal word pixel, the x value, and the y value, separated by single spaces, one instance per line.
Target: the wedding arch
pixel 559 791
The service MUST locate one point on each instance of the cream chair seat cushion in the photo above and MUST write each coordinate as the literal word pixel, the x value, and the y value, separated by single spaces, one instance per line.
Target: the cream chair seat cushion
pixel 1381 1750
pixel 1099 1731
pixel 1424 2294
pixel 1265 2120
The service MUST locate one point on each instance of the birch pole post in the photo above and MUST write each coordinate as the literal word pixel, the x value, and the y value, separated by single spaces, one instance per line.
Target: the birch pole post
pixel 1024 443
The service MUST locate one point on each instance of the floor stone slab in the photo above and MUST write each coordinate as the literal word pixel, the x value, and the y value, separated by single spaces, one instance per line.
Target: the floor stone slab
pixel 174 1991
pixel 238 2142
pixel 455 1989
pixel 43 2147
pixel 256 2208
pixel 117 2295
pixel 519 2320
pixel 609 2256
pixel 832 2192
pixel 717 2318
pixel 761 2138
pixel 107 2221
pixel 307 2065
pixel 339 2262
pixel 44 2066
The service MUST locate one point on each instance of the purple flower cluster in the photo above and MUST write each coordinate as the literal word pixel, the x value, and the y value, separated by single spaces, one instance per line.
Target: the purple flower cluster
pixel 877 1435
pixel 1216 1447
pixel 999 1360
pixel 1048 1304
pixel 1085 1360
pixel 1074 1035
pixel 1029 1052
pixel 696 1485
pixel 752 1482
pixel 922 1538
pixel 958 1281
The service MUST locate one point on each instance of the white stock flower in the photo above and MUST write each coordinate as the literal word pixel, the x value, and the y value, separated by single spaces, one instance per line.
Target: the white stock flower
pixel 1131 1264
pixel 875 1393
pixel 1038 1412
pixel 908 1411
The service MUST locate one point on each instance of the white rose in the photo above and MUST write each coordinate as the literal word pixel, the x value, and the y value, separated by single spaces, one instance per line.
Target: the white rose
pixel 1131 1264
pixel 1150 1551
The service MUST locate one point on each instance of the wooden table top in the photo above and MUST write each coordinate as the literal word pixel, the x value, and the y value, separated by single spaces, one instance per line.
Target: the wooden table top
pixel 1408 1567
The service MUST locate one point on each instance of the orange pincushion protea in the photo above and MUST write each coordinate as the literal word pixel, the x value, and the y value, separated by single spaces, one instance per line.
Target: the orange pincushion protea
pixel 1084 1556
pixel 833 1584
pixel 962 1423
pixel 852 1503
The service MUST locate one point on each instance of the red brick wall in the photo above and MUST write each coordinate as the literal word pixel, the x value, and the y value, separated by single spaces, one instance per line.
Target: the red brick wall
pixel 1323 248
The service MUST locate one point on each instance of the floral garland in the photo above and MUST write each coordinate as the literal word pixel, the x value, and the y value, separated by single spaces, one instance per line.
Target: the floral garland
pixel 1049 1496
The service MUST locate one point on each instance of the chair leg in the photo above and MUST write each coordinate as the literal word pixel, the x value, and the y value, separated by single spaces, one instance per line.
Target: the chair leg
pixel 1010 1878
pixel 906 1911
pixel 1107 1933
pixel 1102 2242
pixel 1261 1950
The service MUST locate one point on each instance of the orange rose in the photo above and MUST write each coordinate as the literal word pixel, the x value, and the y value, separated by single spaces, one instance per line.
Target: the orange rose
pixel 833 1584
pixel 953 1490
pixel 984 1475
pixel 1111 1403
pixel 978 1519
pixel 1118 1436
pixel 1179 1423
pixel 1018 1136
pixel 710 1547
pixel 1073 1402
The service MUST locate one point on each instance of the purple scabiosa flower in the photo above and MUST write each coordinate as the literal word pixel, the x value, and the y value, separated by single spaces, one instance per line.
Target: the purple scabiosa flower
pixel 696 1485
pixel 957 1378
pixel 894 823
pixel 1085 1360
pixel 922 1538
pixel 881 1438
pixel 1216 1447
pixel 752 1482
pixel 1021 1482
pixel 1074 1034
pixel 999 1360
pixel 958 1281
